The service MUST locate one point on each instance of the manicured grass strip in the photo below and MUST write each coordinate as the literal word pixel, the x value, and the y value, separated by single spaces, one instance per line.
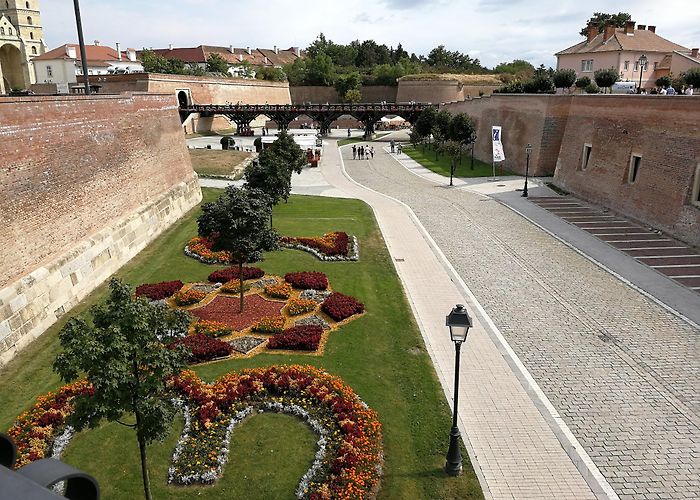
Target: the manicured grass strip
pixel 441 165
pixel 381 356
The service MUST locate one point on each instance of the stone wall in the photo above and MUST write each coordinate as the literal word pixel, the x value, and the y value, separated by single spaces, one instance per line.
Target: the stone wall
pixel 86 182
pixel 322 95
pixel 438 91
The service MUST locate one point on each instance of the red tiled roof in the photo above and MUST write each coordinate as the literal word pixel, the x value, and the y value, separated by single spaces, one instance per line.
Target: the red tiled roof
pixel 97 55
pixel 232 55
pixel 186 54
pixel 640 41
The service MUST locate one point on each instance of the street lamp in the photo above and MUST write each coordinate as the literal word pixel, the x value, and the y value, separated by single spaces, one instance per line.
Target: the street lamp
pixel 642 64
pixel 528 150
pixel 459 322
pixel 81 41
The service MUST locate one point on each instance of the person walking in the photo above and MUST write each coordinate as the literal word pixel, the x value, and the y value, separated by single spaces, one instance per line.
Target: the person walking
pixel 371 152
pixel 354 152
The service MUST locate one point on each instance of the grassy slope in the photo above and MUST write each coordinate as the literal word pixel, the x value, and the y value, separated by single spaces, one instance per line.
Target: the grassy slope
pixel 442 164
pixel 381 356
pixel 216 162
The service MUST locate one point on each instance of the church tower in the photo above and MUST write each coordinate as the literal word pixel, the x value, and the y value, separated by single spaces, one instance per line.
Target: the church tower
pixel 21 39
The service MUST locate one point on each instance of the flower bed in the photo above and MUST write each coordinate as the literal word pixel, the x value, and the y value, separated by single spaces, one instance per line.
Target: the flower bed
pixel 279 290
pixel 295 307
pixel 272 324
pixel 225 310
pixel 212 329
pixel 201 249
pixel 307 280
pixel 188 297
pixel 159 291
pixel 349 457
pixel 35 430
pixel 203 348
pixel 234 286
pixel 231 273
pixel 302 338
pixel 340 307
pixel 331 246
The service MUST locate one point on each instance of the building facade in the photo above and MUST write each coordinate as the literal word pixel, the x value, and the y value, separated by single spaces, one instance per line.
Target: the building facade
pixel 21 40
pixel 621 49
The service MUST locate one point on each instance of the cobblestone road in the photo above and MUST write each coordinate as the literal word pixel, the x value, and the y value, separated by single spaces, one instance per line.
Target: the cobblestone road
pixel 622 371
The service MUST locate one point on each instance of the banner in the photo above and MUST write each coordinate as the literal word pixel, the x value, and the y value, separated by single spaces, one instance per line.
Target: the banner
pixel 498 154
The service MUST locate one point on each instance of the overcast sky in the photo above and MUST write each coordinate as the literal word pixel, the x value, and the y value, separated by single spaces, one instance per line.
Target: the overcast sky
pixel 492 30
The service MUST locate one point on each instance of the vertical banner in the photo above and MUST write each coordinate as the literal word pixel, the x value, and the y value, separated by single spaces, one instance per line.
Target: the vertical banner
pixel 498 154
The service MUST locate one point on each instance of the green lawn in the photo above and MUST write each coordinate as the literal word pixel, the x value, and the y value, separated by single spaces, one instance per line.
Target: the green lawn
pixel 442 164
pixel 381 356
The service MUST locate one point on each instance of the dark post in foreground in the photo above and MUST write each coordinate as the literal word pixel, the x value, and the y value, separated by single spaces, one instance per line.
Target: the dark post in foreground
pixel 459 322
pixel 528 150
pixel 81 41
pixel 642 63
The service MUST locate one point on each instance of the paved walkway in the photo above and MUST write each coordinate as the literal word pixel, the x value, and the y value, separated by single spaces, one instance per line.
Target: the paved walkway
pixel 514 450
pixel 620 369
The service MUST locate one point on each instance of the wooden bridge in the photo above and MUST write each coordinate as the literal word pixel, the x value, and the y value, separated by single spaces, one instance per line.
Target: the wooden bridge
pixel 324 114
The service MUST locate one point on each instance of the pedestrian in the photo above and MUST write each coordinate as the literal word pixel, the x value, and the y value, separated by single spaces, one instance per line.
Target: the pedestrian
pixel 354 152
pixel 689 90
pixel 670 91
pixel 348 132
pixel 662 91
pixel 400 149
pixel 371 152
pixel 393 146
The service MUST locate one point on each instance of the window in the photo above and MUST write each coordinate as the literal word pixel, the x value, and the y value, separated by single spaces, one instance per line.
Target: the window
pixel 31 35
pixel 9 31
pixel 587 149
pixel 627 65
pixel 696 187
pixel 29 19
pixel 34 51
pixel 27 4
pixel 636 65
pixel 2 31
pixel 587 65
pixel 635 163
pixel 655 65
pixel 49 71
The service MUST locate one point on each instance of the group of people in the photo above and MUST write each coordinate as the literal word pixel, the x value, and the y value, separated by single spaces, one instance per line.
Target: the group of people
pixel 671 91
pixel 362 152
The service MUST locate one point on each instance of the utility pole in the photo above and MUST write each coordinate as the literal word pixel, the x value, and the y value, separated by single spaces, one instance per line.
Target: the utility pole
pixel 81 41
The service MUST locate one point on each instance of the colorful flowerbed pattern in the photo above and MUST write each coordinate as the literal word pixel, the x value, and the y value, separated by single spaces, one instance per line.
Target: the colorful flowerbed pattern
pixel 159 291
pixel 329 247
pixel 203 348
pixel 201 249
pixel 349 458
pixel 231 273
pixel 307 280
pixel 226 310
pixel 188 297
pixel 303 338
pixel 340 307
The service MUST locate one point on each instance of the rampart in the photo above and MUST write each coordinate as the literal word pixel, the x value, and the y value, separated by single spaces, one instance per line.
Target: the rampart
pixel 317 94
pixel 439 91
pixel 663 131
pixel 86 182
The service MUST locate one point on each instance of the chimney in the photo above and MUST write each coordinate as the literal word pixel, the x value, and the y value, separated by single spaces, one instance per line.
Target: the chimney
pixel 132 54
pixel 247 49
pixel 265 60
pixel 277 51
pixel 629 28
pixel 170 46
pixel 641 27
pixel 608 33
pixel 652 29
pixel 119 52
pixel 592 32
pixel 240 57
pixel 297 51
pixel 694 53
pixel 70 52
pixel 230 49
pixel 97 43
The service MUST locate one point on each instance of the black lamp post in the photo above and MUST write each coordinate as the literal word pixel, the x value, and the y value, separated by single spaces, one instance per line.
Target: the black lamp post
pixel 459 322
pixel 81 41
pixel 528 150
pixel 642 63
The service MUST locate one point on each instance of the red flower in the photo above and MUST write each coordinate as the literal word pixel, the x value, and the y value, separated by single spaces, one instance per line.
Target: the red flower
pixel 339 306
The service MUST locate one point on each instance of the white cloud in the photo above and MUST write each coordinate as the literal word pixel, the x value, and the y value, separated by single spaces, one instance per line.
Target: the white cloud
pixel 492 30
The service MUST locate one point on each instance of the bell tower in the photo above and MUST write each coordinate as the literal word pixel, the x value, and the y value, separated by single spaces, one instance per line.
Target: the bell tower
pixel 27 35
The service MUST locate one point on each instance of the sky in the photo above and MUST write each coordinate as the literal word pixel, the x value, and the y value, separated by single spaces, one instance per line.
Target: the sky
pixel 493 31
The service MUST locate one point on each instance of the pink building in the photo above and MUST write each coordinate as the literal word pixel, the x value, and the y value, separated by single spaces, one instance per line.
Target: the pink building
pixel 621 48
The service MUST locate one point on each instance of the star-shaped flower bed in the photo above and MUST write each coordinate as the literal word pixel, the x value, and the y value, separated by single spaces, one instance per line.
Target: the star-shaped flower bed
pixel 226 310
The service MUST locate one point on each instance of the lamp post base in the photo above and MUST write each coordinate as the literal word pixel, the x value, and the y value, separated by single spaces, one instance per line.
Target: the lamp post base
pixel 453 465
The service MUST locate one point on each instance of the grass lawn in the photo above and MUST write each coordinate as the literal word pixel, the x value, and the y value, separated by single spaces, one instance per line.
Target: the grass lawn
pixel 442 164
pixel 218 162
pixel 381 356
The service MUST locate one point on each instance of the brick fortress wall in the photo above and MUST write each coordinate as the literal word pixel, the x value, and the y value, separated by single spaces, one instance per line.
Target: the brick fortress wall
pixel 86 182
pixel 665 131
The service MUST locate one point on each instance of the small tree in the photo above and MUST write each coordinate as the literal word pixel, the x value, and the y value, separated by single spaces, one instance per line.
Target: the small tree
pixel 425 122
pixel 664 81
pixel 564 78
pixel 461 133
pixel 441 128
pixel 123 356
pixel 289 151
pixel 606 78
pixel 592 88
pixel 217 64
pixel 539 84
pixel 269 173
pixel 237 222
pixel 582 83
pixel 692 77
pixel 352 96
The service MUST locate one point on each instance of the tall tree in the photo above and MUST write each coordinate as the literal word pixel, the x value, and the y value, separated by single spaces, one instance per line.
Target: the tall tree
pixel 605 78
pixel 461 133
pixel 217 64
pixel 349 81
pixel 122 354
pixel 518 67
pixel 286 148
pixel 424 124
pixel 600 19
pixel 441 129
pixel 269 173
pixel 320 70
pixel 237 222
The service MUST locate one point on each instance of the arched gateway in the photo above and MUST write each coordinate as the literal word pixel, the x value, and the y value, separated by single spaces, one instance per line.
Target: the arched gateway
pixel 11 69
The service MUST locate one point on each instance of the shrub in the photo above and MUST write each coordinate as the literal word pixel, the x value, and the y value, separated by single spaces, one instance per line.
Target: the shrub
pixel 307 280
pixel 212 328
pixel 606 77
pixel 279 290
pixel 592 88
pixel 270 324
pixel 203 348
pixel 538 84
pixel 159 291
pixel 692 77
pixel 295 307
pixel 583 82
pixel 234 286
pixel 188 297
pixel 231 273
pixel 664 81
pixel 564 78
pixel 339 306
pixel 304 338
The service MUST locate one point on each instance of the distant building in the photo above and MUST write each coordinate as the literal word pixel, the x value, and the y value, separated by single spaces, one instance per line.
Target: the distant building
pixel 234 56
pixel 63 64
pixel 21 39
pixel 621 48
